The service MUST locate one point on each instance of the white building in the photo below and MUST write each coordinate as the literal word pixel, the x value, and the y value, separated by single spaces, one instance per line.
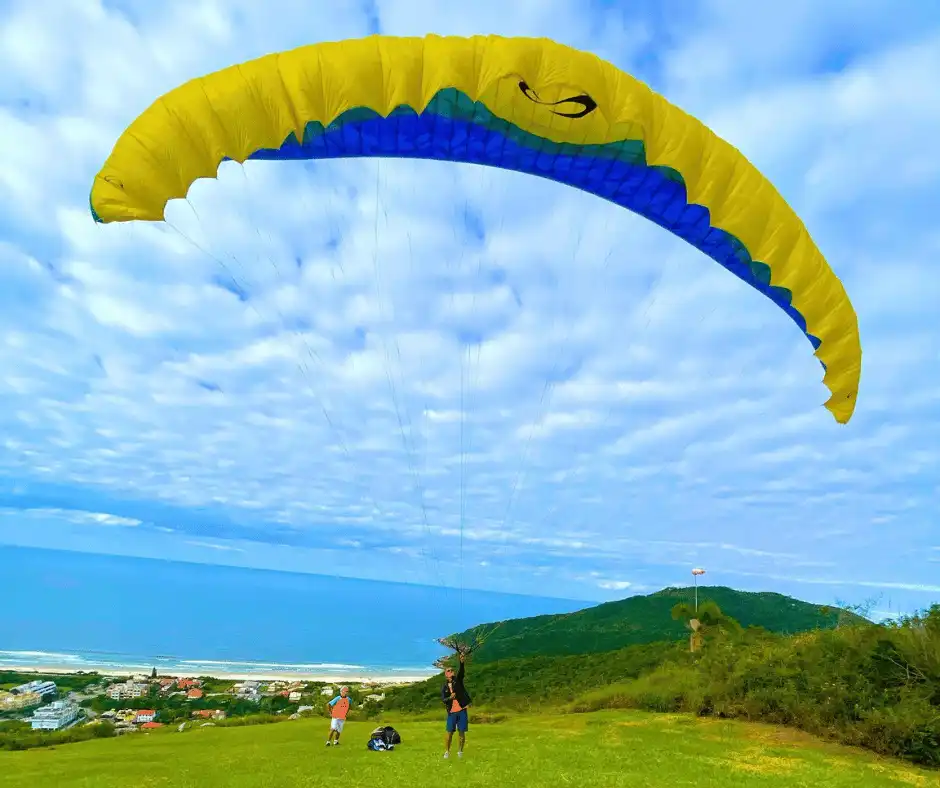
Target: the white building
pixel 249 690
pixel 326 691
pixel 127 689
pixel 40 687
pixel 55 716
pixel 294 696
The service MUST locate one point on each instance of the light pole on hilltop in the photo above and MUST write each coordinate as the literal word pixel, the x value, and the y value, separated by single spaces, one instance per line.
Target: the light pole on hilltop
pixel 695 573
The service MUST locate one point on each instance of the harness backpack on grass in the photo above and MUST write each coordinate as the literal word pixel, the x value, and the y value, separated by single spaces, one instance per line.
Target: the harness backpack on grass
pixel 384 738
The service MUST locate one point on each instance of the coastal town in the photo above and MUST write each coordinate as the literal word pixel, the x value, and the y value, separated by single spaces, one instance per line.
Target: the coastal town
pixel 144 703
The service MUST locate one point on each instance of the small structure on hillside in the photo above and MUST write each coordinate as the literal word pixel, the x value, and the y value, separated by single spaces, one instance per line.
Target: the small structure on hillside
pixel 695 639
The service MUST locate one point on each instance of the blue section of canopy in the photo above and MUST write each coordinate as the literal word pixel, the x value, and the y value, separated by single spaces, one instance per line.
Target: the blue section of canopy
pixel 658 194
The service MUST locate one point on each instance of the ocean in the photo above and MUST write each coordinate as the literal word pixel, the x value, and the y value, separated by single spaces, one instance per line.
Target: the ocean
pixel 84 610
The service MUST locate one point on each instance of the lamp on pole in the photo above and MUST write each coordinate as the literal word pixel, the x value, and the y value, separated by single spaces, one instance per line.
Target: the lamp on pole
pixel 695 573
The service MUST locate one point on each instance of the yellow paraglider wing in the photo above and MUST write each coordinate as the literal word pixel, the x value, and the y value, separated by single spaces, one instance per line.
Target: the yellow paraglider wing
pixel 529 105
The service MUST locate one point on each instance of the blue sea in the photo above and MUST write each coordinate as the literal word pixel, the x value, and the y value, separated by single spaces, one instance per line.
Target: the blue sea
pixel 85 610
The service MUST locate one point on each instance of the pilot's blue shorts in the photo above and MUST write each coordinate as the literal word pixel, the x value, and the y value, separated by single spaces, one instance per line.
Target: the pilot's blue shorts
pixel 457 721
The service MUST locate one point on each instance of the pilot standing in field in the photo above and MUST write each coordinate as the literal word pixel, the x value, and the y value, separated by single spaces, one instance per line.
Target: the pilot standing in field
pixel 338 707
pixel 456 699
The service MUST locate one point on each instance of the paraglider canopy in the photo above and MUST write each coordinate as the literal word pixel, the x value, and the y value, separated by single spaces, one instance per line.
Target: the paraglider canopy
pixel 522 104
pixel 457 647
pixel 698 571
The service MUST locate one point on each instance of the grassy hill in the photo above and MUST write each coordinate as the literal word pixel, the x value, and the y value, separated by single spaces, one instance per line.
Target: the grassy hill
pixel 598 750
pixel 866 684
pixel 642 619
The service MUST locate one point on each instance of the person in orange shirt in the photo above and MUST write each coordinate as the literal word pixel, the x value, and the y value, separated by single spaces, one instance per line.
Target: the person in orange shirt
pixel 456 699
pixel 338 708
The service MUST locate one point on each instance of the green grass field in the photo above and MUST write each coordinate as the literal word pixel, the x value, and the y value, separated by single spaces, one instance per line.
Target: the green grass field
pixel 600 749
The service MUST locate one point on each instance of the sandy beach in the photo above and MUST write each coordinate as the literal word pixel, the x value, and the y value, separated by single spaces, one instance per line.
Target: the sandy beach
pixel 124 672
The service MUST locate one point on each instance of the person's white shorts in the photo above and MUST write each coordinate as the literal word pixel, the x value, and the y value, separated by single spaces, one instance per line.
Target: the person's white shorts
pixel 337 725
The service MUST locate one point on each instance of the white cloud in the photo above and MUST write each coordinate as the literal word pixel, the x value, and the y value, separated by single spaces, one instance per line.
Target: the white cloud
pixel 75 516
pixel 927 588
pixel 215 546
pixel 614 585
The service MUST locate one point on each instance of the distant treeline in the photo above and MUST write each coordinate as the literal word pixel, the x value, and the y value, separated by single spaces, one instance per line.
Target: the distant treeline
pixel 18 735
pixel 69 682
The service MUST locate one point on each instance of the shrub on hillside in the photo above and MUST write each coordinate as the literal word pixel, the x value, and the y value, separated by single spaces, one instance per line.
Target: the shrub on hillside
pixel 867 685
pixel 250 719
pixel 533 683
pixel 24 738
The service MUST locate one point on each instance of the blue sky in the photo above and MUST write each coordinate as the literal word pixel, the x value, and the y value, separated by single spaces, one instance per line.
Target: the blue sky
pixel 630 409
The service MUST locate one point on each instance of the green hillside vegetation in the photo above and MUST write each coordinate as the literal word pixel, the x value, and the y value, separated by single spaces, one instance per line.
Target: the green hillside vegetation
pixel 535 683
pixel 19 735
pixel 643 619
pixel 875 686
pixel 872 685
pixel 597 750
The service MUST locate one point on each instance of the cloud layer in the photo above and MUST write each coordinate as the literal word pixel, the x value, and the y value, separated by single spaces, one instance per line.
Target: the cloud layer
pixel 460 376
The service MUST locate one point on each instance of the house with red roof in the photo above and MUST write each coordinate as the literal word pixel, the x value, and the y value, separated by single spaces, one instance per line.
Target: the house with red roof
pixel 144 716
pixel 209 714
pixel 151 725
pixel 195 694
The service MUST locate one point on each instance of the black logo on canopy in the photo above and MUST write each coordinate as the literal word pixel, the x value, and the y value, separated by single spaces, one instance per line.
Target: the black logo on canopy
pixel 587 104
